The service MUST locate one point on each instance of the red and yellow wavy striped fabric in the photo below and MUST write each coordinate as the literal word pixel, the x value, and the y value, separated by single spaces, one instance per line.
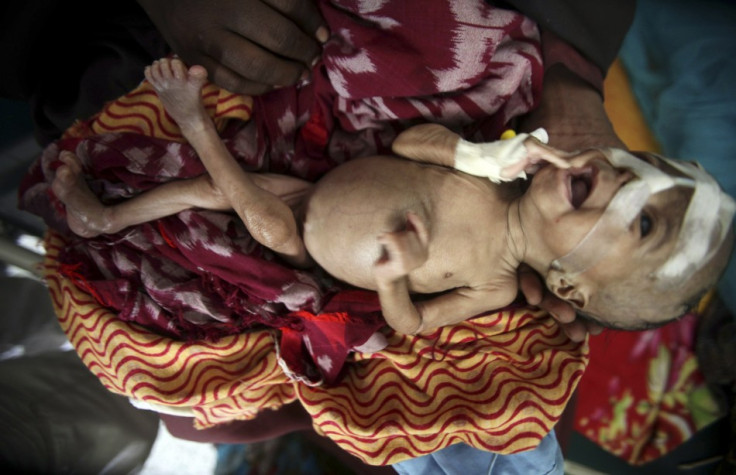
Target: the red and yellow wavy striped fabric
pixel 140 112
pixel 498 382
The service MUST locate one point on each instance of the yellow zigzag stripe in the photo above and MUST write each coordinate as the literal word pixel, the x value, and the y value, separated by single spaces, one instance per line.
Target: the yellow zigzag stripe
pixel 141 112
pixel 431 392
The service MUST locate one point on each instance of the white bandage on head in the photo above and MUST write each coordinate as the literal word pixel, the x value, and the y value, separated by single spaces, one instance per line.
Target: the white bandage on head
pixel 710 210
pixel 488 159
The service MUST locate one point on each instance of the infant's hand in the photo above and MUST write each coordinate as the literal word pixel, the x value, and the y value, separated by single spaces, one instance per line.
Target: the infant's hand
pixel 507 159
pixel 403 251
pixel 538 153
pixel 536 294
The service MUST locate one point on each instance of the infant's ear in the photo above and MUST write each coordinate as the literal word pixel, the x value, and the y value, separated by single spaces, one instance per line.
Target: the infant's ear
pixel 568 288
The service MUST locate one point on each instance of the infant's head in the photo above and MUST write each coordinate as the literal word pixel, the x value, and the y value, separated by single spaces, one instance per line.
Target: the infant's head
pixel 663 240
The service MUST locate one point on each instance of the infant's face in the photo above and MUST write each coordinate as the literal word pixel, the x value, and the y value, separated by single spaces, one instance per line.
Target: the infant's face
pixel 569 202
pixel 572 201
pixel 626 273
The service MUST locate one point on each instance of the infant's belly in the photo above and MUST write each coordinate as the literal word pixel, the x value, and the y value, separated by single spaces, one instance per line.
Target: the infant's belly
pixel 352 205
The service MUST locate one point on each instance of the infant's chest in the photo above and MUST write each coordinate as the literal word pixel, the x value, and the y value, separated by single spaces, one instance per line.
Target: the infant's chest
pixel 461 253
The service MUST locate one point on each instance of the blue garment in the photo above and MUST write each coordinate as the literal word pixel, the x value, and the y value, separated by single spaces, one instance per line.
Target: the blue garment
pixel 461 459
pixel 680 56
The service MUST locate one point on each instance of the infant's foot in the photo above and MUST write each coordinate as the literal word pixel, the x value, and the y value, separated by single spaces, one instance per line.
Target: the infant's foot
pixel 85 215
pixel 180 90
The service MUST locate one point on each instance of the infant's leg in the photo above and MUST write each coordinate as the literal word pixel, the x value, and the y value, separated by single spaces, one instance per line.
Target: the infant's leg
pixel 88 217
pixel 85 214
pixel 268 218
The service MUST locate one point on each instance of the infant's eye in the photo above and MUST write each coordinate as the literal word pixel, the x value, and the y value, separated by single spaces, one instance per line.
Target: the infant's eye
pixel 645 224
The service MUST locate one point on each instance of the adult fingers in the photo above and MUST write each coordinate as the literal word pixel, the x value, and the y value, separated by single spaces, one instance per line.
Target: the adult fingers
pixel 575 331
pixel 228 79
pixel 530 285
pixel 306 15
pixel 276 33
pixel 560 310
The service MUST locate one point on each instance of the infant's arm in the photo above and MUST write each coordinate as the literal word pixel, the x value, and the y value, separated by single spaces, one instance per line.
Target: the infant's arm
pixel 502 160
pixel 450 308
pixel 407 250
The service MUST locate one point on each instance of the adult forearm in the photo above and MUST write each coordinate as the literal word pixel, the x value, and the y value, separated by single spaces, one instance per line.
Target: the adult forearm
pixel 572 112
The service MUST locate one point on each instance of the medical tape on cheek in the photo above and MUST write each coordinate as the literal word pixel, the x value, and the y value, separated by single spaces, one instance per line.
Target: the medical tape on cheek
pixel 710 210
pixel 623 208
pixel 615 219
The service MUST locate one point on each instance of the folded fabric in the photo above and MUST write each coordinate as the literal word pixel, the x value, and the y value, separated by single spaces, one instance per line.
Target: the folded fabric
pixel 199 274
pixel 227 330
pixel 498 382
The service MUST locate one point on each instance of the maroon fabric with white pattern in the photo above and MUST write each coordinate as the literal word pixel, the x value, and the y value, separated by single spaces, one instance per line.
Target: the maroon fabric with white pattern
pixel 199 274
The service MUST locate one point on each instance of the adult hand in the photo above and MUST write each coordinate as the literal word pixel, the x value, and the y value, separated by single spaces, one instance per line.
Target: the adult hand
pixel 537 294
pixel 572 113
pixel 247 46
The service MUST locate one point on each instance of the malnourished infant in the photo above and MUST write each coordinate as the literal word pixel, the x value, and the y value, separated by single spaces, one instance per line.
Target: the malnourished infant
pixel 629 242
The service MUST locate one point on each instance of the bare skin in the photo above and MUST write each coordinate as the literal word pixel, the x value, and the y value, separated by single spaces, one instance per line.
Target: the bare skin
pixel 407 245
pixel 400 227
pixel 85 215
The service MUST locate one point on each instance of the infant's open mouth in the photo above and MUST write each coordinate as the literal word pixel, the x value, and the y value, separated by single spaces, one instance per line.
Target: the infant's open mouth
pixel 581 185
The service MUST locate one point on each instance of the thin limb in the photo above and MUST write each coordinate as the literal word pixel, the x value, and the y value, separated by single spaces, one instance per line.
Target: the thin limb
pixel 436 144
pixel 269 220
pixel 427 143
pixel 407 250
pixel 85 215
pixel 88 217
pixel 403 252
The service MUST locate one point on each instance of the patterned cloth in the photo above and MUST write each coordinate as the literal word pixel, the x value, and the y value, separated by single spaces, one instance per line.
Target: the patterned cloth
pixel 644 394
pixel 196 281
pixel 497 383
pixel 199 274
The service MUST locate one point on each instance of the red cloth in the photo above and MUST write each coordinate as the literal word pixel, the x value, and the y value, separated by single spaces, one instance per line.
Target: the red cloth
pixel 198 274
pixel 642 394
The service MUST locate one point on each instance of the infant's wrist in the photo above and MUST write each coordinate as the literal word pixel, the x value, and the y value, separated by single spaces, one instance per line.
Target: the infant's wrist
pixel 492 158
pixel 388 284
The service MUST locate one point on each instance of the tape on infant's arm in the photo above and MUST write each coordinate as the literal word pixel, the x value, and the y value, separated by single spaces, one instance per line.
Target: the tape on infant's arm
pixel 488 159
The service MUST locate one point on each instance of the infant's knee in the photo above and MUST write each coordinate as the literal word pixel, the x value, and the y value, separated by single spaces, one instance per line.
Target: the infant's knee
pixel 272 226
